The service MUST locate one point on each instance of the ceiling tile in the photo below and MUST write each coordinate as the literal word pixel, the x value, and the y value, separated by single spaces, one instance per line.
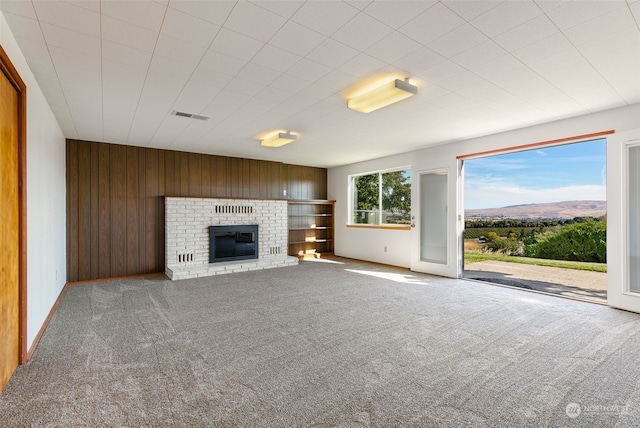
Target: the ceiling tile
pixel 211 77
pixel 431 24
pixel 530 32
pixel 63 38
pixel 459 40
pixel 25 28
pixel 126 34
pixel 74 66
pixel 332 53
pixel 324 17
pixel 362 32
pixel 296 39
pixel 308 70
pixel 396 14
pixel 183 26
pixel 203 89
pixel 484 52
pixel 506 16
pixel 289 83
pixel 181 71
pixel 275 58
pixel 470 9
pixel 66 15
pixel 254 21
pixel 125 55
pixel 258 74
pixel 184 53
pixel 393 47
pixel 274 94
pixel 544 48
pixel 284 8
pixel 215 12
pixel 568 15
pixel 142 13
pixel 618 21
pixel 222 63
pixel 18 7
pixel 441 71
pixel 236 45
pixel 419 60
pixel 362 66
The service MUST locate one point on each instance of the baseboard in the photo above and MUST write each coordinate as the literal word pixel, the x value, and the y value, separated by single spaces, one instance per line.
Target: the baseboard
pixel 34 345
pixel 115 278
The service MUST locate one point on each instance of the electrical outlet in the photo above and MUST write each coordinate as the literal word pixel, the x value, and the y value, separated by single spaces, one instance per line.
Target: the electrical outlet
pixel 385 248
pixel 284 192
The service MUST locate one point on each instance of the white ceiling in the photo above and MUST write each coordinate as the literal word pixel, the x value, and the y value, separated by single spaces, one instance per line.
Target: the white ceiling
pixel 113 71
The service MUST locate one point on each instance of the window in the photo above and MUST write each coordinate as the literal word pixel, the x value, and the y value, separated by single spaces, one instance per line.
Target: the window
pixel 381 198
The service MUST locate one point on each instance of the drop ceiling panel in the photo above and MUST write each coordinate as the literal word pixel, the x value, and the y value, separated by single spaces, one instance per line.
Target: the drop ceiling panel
pixel 297 39
pixel 67 15
pixel 254 21
pixel 128 34
pixel 432 24
pixel 215 12
pixel 191 29
pixel 25 28
pixel 141 13
pixel 362 32
pixel 393 48
pixel 324 17
pixel 114 70
pixel 236 45
pixel 506 16
pixel 396 14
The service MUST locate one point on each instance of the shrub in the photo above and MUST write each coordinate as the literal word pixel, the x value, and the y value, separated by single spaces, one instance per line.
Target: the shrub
pixel 580 242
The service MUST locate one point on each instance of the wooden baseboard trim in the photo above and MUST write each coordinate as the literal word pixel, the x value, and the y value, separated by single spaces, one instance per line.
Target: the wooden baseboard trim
pixel 115 278
pixel 45 324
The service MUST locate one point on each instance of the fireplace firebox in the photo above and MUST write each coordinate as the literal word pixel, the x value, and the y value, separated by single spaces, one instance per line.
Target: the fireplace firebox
pixel 235 242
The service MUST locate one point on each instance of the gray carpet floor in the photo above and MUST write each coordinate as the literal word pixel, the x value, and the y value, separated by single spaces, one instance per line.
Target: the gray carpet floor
pixel 346 344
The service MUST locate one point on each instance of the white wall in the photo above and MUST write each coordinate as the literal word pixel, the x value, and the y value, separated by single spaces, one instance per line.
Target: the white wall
pixel 46 199
pixel 368 244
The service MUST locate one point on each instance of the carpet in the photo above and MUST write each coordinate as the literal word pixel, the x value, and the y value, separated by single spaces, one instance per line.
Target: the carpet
pixel 326 343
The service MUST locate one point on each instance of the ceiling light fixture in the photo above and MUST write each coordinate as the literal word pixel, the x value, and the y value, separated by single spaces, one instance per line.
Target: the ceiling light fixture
pixel 278 139
pixel 382 96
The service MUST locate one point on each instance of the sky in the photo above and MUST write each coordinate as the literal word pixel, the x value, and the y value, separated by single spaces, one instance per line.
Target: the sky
pixel 571 172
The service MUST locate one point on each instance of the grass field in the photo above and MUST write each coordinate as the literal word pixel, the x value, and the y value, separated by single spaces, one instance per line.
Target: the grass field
pixel 473 253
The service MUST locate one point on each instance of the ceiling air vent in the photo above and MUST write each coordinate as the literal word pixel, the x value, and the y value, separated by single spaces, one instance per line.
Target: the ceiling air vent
pixel 190 115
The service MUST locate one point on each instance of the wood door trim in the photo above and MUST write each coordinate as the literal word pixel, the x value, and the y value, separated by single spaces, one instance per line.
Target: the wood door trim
pixel 14 77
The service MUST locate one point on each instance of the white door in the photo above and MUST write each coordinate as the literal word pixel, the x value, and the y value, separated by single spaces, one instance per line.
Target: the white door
pixel 623 225
pixel 434 248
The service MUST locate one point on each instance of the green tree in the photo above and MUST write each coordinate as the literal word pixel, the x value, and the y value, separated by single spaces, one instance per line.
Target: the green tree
pixel 396 196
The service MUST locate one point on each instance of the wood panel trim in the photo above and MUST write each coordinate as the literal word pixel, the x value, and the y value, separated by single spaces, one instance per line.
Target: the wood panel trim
pixel 14 77
pixel 575 139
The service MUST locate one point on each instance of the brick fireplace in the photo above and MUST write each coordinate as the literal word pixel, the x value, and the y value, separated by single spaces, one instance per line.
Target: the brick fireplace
pixel 187 223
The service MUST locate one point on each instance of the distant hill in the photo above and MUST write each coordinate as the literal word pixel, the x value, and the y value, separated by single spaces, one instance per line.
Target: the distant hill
pixel 552 210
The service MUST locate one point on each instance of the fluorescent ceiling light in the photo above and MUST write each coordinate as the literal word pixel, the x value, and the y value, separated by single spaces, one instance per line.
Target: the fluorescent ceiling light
pixel 382 96
pixel 278 139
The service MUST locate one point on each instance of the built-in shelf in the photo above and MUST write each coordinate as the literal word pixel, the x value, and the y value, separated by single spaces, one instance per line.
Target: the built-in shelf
pixel 310 228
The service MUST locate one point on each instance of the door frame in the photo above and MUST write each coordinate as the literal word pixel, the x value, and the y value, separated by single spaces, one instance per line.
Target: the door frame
pixel 7 68
pixel 619 295
pixel 451 268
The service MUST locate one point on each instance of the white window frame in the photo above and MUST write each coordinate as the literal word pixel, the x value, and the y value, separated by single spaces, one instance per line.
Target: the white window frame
pixel 351 208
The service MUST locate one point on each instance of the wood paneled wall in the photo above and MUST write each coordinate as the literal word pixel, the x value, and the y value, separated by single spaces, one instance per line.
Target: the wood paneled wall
pixel 115 200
